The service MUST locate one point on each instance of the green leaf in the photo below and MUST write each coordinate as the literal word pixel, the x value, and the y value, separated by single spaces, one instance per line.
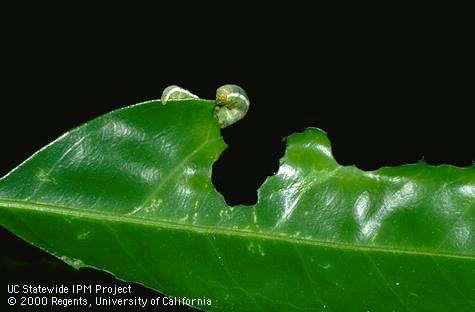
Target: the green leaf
pixel 131 193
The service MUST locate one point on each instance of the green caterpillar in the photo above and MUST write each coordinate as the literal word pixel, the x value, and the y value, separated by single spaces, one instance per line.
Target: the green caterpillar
pixel 232 102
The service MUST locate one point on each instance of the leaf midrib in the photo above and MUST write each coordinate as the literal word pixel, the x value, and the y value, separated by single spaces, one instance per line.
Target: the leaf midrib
pixel 99 215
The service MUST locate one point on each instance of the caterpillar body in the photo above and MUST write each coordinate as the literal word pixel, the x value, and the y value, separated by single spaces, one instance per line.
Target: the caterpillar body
pixel 176 93
pixel 232 102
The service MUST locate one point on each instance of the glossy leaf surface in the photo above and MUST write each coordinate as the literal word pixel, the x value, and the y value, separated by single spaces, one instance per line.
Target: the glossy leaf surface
pixel 131 193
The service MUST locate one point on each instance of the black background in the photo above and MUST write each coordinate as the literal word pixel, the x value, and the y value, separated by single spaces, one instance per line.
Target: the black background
pixel 385 97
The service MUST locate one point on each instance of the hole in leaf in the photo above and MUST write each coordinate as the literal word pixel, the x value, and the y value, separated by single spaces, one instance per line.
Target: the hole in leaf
pixel 243 167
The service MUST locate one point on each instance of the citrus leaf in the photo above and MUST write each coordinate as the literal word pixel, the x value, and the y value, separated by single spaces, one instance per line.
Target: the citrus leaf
pixel 130 193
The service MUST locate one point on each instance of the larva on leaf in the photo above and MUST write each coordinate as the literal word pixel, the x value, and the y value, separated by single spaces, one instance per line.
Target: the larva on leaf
pixel 176 93
pixel 232 104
